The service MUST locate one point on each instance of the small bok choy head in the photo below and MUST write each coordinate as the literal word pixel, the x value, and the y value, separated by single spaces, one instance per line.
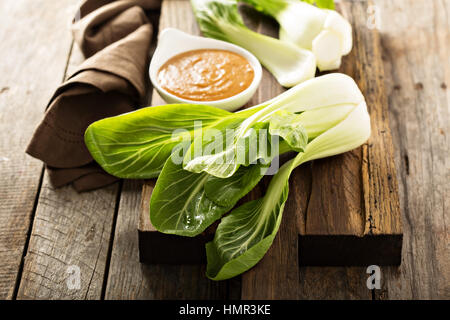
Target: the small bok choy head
pixel 325 32
pixel 221 20
pixel 244 236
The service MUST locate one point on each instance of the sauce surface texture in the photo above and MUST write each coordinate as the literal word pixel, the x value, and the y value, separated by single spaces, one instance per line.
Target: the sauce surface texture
pixel 206 75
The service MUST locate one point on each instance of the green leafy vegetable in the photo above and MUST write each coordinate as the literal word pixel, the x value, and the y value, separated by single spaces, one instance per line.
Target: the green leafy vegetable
pixel 185 202
pixel 325 32
pixel 244 236
pixel 220 19
pixel 215 152
pixel 289 127
pixel 137 144
pixel 179 204
pixel 228 191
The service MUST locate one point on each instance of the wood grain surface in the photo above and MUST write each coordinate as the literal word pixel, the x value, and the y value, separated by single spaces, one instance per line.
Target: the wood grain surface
pixel 354 196
pixel 71 231
pixel 35 36
pixel 415 38
pixel 34 46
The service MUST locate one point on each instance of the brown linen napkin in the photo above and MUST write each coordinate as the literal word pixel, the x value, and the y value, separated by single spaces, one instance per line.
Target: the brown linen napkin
pixel 110 82
pixel 116 18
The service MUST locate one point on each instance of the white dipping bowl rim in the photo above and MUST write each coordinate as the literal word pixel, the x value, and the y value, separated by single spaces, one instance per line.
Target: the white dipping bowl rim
pixel 173 42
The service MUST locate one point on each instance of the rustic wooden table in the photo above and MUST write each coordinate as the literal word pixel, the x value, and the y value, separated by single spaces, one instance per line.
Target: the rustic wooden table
pixel 48 235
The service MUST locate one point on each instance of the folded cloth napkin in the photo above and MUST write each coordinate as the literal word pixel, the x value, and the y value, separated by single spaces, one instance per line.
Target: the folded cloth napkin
pixel 116 37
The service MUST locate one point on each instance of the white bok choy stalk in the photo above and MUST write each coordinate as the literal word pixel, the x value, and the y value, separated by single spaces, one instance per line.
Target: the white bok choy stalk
pixel 220 19
pixel 325 32
pixel 244 236
pixel 335 91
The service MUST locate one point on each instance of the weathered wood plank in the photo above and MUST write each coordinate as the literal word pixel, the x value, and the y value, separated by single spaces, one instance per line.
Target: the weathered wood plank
pixel 372 213
pixel 71 232
pixel 416 46
pixel 127 277
pixel 380 187
pixel 34 48
pixel 354 196
pixel 331 283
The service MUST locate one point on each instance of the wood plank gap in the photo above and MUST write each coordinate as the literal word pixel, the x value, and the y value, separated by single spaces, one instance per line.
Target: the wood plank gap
pixel 365 168
pixel 27 241
pixel 111 241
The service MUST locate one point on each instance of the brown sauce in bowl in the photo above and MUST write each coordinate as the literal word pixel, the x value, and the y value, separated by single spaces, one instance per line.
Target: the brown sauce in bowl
pixel 206 75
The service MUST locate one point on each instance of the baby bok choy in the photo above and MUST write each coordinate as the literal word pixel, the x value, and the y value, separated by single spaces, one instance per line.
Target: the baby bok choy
pixel 325 32
pixel 204 170
pixel 288 63
pixel 188 198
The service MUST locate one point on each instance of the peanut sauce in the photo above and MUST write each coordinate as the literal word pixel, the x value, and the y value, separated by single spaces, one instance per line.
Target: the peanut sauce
pixel 206 75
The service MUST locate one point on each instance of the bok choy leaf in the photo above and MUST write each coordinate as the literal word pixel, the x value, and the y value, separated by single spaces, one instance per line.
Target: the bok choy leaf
pixel 179 204
pixel 288 63
pixel 137 144
pixel 186 203
pixel 244 236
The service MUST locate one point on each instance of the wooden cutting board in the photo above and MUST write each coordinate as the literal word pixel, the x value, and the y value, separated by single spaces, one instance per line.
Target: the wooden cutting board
pixel 341 211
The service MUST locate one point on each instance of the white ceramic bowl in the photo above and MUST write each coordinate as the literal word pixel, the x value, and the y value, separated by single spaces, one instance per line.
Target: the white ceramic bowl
pixel 173 42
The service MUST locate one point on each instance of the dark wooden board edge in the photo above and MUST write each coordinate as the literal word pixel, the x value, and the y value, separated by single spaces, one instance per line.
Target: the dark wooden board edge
pixel 342 250
pixel 349 250
pixel 188 250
